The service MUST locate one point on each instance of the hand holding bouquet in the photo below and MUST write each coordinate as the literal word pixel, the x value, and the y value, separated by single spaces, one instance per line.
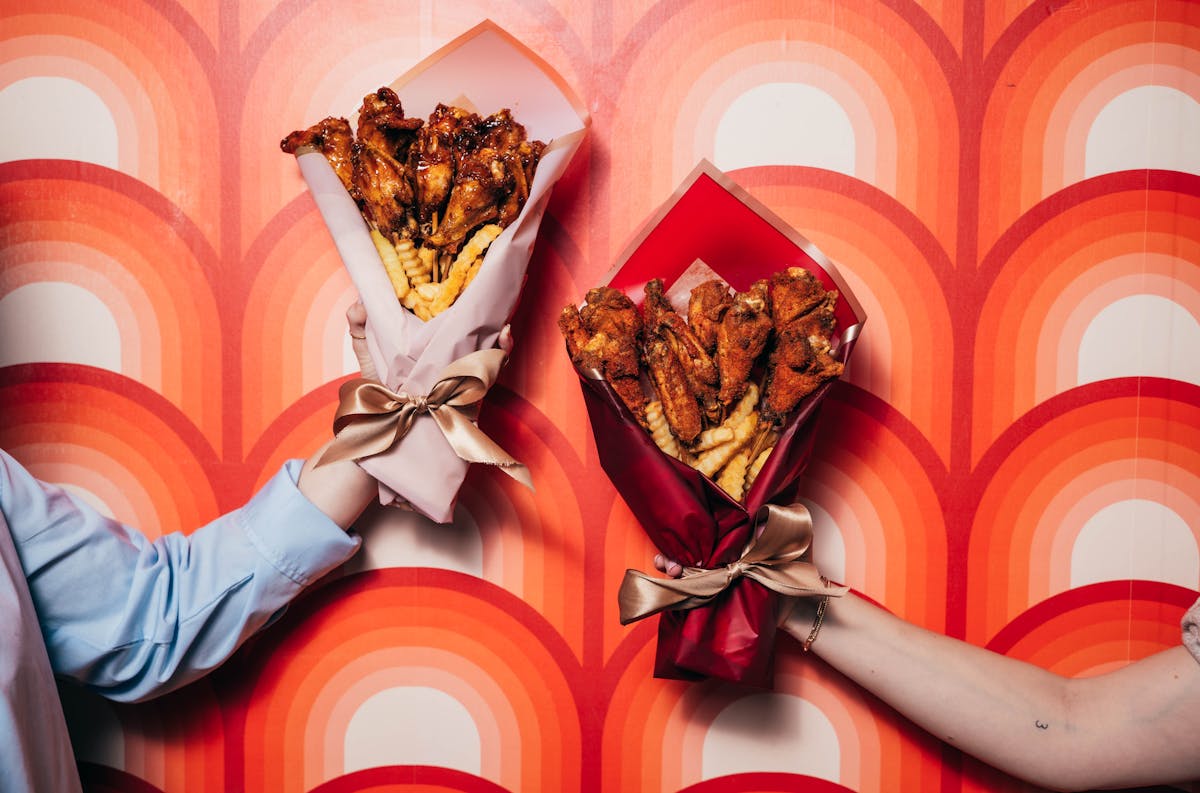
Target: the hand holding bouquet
pixel 703 401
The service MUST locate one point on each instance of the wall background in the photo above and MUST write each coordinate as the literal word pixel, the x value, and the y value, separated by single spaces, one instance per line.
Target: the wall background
pixel 1012 189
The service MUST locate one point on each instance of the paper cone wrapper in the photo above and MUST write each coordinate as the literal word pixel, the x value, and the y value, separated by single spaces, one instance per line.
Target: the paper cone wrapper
pixel 712 220
pixel 491 70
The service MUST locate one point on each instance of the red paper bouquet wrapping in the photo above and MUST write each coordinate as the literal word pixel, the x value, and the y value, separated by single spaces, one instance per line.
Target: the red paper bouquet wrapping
pixel 687 516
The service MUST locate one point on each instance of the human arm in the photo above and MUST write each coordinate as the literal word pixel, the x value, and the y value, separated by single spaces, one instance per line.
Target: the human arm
pixel 134 618
pixel 341 489
pixel 1138 725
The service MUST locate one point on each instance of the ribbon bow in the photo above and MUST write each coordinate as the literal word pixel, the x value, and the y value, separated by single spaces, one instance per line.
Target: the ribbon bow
pixel 773 559
pixel 371 418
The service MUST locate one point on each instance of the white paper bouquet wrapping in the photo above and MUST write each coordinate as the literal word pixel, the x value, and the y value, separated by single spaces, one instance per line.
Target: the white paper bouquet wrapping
pixel 490 70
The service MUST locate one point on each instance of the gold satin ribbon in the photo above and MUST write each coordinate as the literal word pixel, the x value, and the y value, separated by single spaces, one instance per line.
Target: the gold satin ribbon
pixel 371 418
pixel 773 559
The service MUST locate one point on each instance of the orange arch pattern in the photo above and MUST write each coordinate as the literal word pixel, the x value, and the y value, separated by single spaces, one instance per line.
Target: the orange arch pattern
pixel 1035 490
pixel 1048 86
pixel 956 467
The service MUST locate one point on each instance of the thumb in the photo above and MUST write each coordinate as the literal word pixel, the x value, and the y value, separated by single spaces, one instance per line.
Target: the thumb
pixel 356 321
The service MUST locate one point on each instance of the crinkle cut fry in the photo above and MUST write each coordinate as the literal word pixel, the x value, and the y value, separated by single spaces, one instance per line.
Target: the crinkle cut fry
pixel 713 460
pixel 733 477
pixel 659 431
pixel 393 264
pixel 467 260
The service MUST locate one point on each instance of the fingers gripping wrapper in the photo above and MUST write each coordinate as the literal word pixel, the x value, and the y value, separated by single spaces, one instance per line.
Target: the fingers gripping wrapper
pixel 719 621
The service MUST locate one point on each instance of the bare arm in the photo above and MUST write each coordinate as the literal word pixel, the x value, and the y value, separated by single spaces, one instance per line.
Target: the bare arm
pixel 341 489
pixel 1139 725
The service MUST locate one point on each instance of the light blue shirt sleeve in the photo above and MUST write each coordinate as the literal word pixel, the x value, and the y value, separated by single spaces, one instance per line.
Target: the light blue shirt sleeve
pixel 133 618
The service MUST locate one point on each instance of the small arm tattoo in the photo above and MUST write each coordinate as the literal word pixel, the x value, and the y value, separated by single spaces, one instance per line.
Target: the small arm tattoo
pixel 1041 725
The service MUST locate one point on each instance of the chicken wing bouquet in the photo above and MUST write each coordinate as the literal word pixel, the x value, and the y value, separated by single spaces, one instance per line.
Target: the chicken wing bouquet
pixel 703 362
pixel 433 195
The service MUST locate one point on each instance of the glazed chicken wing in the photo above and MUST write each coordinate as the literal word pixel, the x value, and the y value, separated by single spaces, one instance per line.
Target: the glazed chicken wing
pixel 382 188
pixel 383 125
pixel 433 159
pixel 333 138
pixel 741 338
pixel 519 155
pixel 480 184
pixel 491 180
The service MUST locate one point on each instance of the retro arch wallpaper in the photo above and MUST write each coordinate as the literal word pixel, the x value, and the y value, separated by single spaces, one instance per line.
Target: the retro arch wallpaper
pixel 1011 189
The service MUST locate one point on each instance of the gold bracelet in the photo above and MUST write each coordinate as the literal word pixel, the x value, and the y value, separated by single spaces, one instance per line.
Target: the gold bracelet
pixel 820 618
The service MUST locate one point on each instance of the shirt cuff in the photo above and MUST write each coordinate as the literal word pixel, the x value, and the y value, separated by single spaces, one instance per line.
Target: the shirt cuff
pixel 299 540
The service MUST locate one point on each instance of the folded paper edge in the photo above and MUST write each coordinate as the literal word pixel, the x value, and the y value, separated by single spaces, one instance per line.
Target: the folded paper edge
pixel 487 25
pixel 706 168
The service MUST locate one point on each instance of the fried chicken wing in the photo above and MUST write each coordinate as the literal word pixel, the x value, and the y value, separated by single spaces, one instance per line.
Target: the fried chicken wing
pixel 802 358
pixel 655 307
pixel 570 325
pixel 798 366
pixel 741 338
pixel 333 138
pixel 679 404
pixel 707 304
pixel 794 292
pixel 697 365
pixel 611 311
pixel 606 336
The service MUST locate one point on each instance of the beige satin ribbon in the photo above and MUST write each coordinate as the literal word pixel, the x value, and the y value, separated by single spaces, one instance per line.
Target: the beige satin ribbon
pixel 371 418
pixel 773 559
